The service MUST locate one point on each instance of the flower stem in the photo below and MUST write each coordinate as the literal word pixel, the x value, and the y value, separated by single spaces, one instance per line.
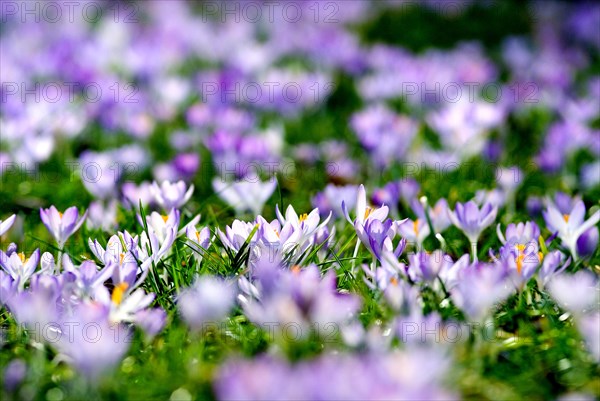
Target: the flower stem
pixel 474 250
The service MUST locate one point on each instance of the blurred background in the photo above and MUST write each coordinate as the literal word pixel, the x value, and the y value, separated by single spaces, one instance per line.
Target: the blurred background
pixel 100 96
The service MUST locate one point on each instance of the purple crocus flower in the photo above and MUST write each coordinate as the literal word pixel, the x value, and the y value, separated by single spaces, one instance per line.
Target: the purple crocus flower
pixel 207 301
pixel 570 225
pixel 97 349
pixel 521 233
pixel 426 267
pixel 478 289
pixel 577 292
pixel 200 237
pixel 589 326
pixel 554 264
pixel 20 267
pixel 472 221
pixel 171 195
pixel 60 225
pixel 588 242
pixel 6 224
pixel 87 276
pixel 377 237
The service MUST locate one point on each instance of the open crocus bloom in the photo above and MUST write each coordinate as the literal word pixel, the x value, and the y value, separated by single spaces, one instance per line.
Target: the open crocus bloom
pixel 171 195
pixel 471 220
pixel 569 226
pixel 364 212
pixel 62 225
pixel 19 267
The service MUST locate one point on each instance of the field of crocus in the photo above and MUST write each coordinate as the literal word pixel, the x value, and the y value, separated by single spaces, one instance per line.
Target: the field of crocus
pixel 299 200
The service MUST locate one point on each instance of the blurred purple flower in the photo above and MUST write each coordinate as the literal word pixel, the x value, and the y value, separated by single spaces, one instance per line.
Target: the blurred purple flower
pixel 208 300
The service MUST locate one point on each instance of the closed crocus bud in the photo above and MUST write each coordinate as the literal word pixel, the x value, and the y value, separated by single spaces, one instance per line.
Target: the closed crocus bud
pixel 588 242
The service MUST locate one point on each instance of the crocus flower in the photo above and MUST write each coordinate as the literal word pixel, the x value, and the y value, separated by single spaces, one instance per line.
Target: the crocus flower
pixel 171 195
pixel 377 237
pixel 569 226
pixel 201 238
pixel 208 300
pixel 245 196
pixel 163 226
pixel 426 267
pixel 19 267
pixel 588 242
pixel 479 288
pixel 307 224
pixel 472 221
pixel 554 264
pixel 577 292
pixel 60 225
pixel 102 216
pixel 6 224
pixel 415 231
pixel 88 278
pixel 589 326
pixel 124 302
pixel 364 213
pixel 92 351
pixel 519 234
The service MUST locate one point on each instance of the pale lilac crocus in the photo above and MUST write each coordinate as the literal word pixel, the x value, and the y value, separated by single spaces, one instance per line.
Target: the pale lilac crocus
pixel 472 221
pixel 171 195
pixel 377 237
pixel 554 264
pixel 478 289
pixel 20 267
pixel 415 231
pixel 245 196
pixel 425 267
pixel 87 277
pixel 199 237
pixel 62 225
pixel 577 293
pixel 96 350
pixel 6 224
pixel 207 301
pixel 363 212
pixel 569 226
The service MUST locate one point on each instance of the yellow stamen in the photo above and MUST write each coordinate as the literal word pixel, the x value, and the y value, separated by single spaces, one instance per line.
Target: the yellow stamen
pixel 165 218
pixel 118 292
pixel 394 281
pixel 520 262
pixel 416 226
pixel 302 217
pixel 566 217
pixel 121 257
pixel 540 256
pixel 368 211
pixel 60 214
pixel 21 256
pixel 296 269
pixel 520 247
pixel 198 236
